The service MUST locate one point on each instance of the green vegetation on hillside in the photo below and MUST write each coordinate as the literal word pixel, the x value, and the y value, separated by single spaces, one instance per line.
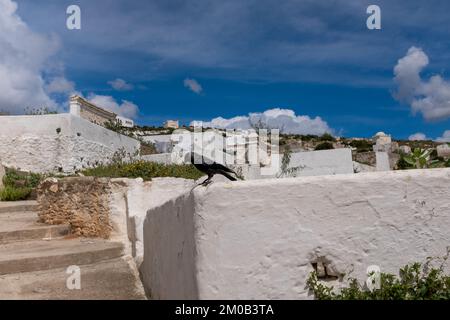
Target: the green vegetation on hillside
pixel 144 170
pixel 324 146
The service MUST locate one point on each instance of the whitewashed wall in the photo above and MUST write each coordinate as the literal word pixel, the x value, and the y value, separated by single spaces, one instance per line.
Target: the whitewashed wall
pixel 258 239
pixel 129 202
pixel 322 162
pixel 162 142
pixel 308 163
pixel 164 158
pixel 32 143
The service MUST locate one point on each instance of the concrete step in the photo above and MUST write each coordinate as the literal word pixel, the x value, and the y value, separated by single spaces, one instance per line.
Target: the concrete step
pixel 18 206
pixel 19 226
pixel 112 279
pixel 27 256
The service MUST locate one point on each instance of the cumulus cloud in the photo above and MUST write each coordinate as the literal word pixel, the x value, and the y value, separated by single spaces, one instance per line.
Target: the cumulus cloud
pixel 120 85
pixel 445 137
pixel 284 119
pixel 60 85
pixel 126 108
pixel 193 85
pixel 419 136
pixel 432 97
pixel 24 56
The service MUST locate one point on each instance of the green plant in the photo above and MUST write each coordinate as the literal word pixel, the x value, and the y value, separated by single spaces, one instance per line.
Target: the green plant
pixel 324 146
pixel 402 164
pixel 420 159
pixel 114 126
pixel 19 185
pixel 15 178
pixel 145 170
pixel 10 193
pixel 415 282
pixel 285 161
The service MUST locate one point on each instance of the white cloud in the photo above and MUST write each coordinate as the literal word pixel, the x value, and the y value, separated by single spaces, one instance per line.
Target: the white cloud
pixel 432 97
pixel 120 85
pixel 24 55
pixel 126 108
pixel 193 85
pixel 284 119
pixel 445 137
pixel 419 136
pixel 60 85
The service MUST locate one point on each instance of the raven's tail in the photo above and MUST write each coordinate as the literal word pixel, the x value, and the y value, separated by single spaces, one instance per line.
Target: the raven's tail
pixel 227 175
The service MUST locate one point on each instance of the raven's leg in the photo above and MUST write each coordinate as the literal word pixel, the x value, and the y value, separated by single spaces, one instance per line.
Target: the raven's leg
pixel 207 181
pixel 204 183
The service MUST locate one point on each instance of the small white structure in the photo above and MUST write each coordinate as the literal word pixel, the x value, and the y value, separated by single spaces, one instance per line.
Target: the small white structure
pixel 382 138
pixel 383 143
pixel 322 162
pixel 174 124
pixel 443 150
pixel 125 122
pixel 382 161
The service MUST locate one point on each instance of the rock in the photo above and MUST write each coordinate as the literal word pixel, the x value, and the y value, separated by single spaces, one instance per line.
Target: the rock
pixel 320 269
pixel 53 188
pixel 443 150
pixel 81 202
pixel 405 149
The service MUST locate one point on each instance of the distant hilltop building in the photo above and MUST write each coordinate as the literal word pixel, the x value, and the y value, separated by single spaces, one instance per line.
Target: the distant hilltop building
pixel 174 124
pixel 382 138
pixel 384 143
pixel 82 108
pixel 125 122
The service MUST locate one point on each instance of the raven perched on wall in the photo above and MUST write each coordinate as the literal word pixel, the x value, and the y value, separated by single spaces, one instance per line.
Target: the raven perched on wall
pixel 210 168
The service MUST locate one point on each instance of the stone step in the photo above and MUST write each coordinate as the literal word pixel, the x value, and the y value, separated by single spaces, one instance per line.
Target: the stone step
pixel 27 256
pixel 18 206
pixel 106 280
pixel 22 226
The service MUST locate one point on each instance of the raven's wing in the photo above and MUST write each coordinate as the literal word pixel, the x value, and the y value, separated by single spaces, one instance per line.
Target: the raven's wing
pixel 218 166
pixel 226 175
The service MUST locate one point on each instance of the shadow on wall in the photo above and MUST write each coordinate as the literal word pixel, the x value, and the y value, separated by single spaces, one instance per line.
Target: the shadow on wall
pixel 169 246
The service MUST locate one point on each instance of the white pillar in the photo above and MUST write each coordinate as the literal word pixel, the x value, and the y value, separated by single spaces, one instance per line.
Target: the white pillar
pixel 382 161
pixel 75 107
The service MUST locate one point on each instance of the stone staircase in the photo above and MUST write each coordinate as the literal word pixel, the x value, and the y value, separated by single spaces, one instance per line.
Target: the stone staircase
pixel 34 258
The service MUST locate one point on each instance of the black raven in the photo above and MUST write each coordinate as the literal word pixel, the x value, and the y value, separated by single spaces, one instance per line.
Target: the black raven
pixel 211 168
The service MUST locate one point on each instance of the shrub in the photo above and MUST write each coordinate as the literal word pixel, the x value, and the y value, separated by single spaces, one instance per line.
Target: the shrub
pixel 324 146
pixel 402 164
pixel 18 179
pixel 420 158
pixel 144 170
pixel 327 137
pixel 10 193
pixel 415 282
pixel 309 137
pixel 19 185
pixel 362 145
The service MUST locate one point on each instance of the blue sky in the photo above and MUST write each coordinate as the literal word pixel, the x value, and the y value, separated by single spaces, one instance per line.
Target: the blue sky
pixel 316 58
